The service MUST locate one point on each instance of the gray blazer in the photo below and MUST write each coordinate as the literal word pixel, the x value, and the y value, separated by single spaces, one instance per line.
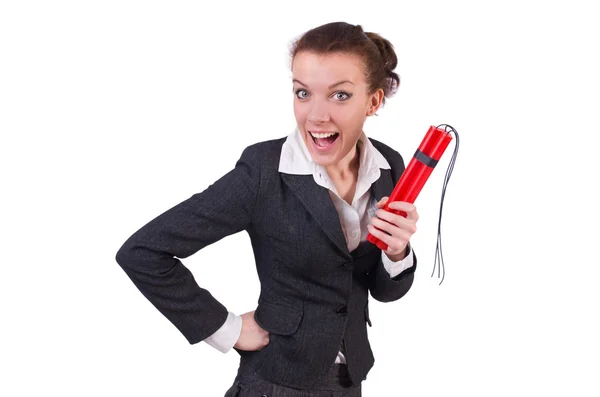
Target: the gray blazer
pixel 314 292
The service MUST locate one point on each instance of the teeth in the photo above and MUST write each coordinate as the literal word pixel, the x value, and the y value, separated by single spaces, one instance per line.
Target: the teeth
pixel 323 135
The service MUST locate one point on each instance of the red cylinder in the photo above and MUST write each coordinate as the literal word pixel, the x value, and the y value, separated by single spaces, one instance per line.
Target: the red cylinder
pixel 416 173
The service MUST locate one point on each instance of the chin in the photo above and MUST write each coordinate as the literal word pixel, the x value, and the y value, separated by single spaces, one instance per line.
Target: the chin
pixel 324 163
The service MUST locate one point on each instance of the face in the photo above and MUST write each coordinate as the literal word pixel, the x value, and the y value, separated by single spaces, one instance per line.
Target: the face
pixel 331 104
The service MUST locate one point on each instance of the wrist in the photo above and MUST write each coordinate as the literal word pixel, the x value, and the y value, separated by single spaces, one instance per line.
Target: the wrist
pixel 401 255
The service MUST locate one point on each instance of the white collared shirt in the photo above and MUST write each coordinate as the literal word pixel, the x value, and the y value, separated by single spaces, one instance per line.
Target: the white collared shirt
pixel 296 159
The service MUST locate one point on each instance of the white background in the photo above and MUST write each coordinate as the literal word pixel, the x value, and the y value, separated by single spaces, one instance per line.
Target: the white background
pixel 112 112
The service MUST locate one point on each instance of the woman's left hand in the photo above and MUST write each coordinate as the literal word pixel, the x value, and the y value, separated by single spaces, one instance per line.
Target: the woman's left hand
pixel 400 228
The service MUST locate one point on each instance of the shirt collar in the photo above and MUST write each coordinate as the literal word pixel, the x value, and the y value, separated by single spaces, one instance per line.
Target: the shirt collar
pixel 296 159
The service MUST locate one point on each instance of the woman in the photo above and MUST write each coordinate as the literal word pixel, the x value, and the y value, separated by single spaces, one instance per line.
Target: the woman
pixel 307 201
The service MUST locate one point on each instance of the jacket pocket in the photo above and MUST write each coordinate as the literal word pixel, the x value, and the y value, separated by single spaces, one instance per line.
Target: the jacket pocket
pixel 278 319
pixel 233 391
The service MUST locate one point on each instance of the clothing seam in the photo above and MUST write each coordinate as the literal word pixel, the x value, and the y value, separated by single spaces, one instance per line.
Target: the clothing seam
pixel 258 193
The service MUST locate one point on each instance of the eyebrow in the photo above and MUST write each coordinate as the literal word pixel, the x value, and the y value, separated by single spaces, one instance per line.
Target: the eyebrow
pixel 330 87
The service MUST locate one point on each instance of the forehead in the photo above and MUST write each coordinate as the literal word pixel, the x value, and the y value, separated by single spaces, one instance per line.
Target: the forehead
pixel 326 69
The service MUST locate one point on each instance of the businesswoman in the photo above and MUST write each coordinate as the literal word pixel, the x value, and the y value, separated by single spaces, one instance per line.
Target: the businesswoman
pixel 307 201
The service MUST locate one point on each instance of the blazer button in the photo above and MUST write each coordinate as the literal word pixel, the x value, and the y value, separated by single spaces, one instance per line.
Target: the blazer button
pixel 341 310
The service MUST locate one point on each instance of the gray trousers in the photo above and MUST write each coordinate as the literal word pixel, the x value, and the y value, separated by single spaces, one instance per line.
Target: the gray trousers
pixel 335 384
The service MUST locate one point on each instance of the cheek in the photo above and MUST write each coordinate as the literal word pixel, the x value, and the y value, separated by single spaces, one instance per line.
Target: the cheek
pixel 300 112
pixel 349 118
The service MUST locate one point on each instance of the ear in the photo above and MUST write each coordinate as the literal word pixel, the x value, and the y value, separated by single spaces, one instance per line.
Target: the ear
pixel 375 101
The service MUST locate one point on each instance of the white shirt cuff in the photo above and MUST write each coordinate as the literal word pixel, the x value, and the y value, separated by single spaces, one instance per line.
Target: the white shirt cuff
pixel 226 337
pixel 395 268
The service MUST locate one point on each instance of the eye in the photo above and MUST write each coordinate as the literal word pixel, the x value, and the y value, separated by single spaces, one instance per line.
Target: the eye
pixel 301 93
pixel 342 96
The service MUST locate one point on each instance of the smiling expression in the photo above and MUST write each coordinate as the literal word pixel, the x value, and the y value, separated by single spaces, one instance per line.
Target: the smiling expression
pixel 331 104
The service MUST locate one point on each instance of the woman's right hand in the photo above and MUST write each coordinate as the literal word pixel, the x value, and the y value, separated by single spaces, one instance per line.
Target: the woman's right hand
pixel 252 337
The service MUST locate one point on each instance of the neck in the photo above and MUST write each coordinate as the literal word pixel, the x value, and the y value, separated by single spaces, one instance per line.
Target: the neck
pixel 347 167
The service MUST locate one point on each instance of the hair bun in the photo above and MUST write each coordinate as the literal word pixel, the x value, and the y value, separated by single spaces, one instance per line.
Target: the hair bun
pixel 390 60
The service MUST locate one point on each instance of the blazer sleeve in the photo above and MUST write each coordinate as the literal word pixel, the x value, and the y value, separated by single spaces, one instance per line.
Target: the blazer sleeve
pixel 387 289
pixel 383 287
pixel 150 257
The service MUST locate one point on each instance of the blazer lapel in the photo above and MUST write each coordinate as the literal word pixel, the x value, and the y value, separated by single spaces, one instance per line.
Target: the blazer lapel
pixel 317 201
pixel 384 185
pixel 380 188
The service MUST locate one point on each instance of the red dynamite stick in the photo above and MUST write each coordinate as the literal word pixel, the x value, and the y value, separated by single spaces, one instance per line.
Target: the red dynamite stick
pixel 416 174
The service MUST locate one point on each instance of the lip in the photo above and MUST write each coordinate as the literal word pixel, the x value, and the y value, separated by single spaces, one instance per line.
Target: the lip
pixel 319 149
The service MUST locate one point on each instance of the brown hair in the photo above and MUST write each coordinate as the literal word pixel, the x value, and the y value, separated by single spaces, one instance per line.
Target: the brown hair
pixel 377 53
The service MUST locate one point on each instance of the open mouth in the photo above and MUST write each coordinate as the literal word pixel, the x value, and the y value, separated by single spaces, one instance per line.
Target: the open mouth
pixel 324 139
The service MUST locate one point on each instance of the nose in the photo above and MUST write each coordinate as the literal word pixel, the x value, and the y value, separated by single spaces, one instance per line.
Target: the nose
pixel 318 114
